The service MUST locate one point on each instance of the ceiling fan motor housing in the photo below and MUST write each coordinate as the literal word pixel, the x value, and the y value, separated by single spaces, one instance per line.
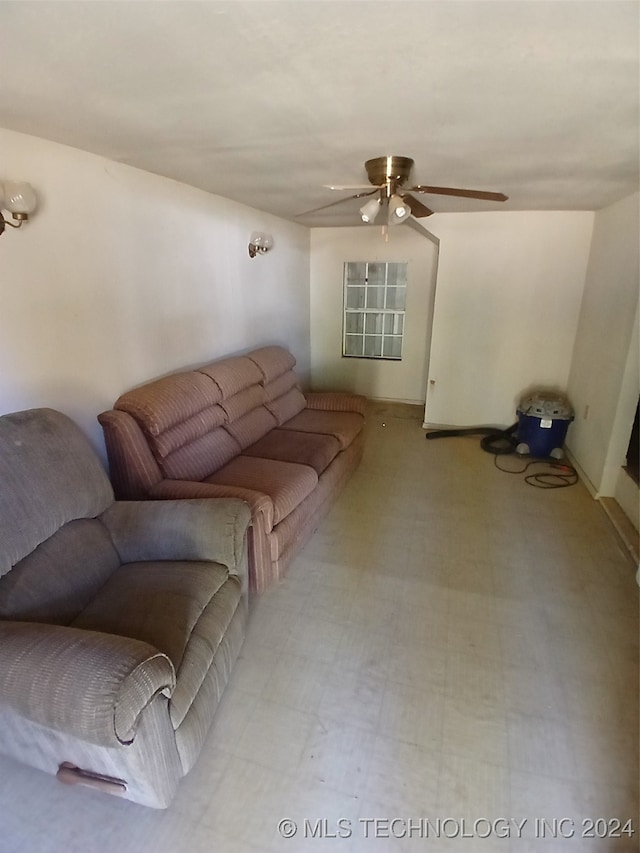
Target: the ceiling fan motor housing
pixel 385 170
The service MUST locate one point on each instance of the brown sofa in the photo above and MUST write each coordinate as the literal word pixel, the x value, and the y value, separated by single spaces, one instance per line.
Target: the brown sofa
pixel 239 427
pixel 119 621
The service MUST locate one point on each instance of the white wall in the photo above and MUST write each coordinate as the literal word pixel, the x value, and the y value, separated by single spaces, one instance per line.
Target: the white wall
pixel 403 380
pixel 122 276
pixel 604 373
pixel 506 312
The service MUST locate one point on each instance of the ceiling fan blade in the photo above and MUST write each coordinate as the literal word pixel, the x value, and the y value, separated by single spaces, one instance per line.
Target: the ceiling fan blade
pixel 339 201
pixel 349 187
pixel 418 209
pixel 459 192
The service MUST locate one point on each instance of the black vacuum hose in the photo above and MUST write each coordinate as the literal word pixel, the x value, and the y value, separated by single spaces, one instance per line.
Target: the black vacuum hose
pixel 496 441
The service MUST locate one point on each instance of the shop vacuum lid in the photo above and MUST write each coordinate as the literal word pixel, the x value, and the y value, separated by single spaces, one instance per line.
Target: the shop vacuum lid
pixel 546 404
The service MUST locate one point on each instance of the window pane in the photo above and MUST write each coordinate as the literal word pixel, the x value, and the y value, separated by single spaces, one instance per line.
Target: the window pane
pixel 373 324
pixel 393 347
pixel 396 297
pixel 376 274
pixel 373 345
pixel 375 297
pixel 397 274
pixel 354 323
pixel 393 324
pixel 353 345
pixel 355 297
pixel 355 273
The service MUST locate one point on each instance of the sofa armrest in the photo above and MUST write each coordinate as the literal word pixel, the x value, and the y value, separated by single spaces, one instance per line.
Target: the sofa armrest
pixel 91 685
pixel 259 503
pixel 132 467
pixel 212 530
pixel 336 401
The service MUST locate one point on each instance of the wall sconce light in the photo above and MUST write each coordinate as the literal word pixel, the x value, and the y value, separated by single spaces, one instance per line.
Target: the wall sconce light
pixel 259 243
pixel 19 199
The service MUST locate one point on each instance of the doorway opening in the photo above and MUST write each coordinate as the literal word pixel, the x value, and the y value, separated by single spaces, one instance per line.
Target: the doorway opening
pixel 633 452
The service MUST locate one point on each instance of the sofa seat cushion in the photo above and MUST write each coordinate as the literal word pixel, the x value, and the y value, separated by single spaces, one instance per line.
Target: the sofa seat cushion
pixel 304 448
pixel 345 426
pixel 181 608
pixel 286 484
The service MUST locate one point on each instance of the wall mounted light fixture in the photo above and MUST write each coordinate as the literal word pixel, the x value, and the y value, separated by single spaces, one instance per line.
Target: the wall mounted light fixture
pixel 19 199
pixel 259 243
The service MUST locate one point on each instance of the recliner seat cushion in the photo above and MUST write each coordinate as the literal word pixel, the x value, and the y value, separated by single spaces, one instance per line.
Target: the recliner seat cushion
pixel 181 608
pixel 345 426
pixel 317 451
pixel 285 483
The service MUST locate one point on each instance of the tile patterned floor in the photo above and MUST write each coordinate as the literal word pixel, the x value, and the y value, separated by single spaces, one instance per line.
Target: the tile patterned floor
pixel 452 645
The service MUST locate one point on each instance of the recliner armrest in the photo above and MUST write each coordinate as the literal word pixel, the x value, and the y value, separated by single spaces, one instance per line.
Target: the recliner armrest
pixel 91 685
pixel 181 489
pixel 336 401
pixel 210 530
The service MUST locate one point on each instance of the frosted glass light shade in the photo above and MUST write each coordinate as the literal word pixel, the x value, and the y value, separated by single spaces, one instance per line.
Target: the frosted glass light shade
pixel 259 243
pixel 399 210
pixel 261 240
pixel 19 198
pixel 370 210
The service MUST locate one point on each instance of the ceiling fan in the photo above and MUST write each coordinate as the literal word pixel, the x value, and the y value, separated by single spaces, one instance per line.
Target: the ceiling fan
pixel 388 176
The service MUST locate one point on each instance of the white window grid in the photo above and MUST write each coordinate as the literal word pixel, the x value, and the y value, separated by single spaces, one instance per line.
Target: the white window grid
pixel 374 309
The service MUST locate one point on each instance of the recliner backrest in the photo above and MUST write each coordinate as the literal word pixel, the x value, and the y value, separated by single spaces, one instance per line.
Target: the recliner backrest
pixel 50 475
pixel 54 553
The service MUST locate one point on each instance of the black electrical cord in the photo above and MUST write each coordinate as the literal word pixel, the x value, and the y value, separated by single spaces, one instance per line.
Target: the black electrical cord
pixel 564 474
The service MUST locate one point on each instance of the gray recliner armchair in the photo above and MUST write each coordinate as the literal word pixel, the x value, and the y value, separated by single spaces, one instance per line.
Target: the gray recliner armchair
pixel 119 621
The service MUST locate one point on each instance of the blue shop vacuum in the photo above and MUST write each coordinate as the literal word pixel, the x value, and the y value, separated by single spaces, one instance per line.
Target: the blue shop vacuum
pixel 543 421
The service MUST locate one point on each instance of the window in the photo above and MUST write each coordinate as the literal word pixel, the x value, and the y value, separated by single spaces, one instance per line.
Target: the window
pixel 374 308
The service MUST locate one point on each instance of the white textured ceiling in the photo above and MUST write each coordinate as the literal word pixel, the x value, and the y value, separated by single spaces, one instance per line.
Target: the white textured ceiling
pixel 265 102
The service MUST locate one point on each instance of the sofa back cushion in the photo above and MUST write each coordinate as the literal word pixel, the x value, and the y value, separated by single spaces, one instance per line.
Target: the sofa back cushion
pixel 287 406
pixel 170 402
pixel 182 420
pixel 279 386
pixel 240 382
pixel 57 580
pixel 232 375
pixel 272 362
pixel 197 421
pixel 283 397
pixel 50 476
pixel 197 459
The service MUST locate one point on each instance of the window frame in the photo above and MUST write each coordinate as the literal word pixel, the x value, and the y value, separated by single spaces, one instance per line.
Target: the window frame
pixel 365 311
